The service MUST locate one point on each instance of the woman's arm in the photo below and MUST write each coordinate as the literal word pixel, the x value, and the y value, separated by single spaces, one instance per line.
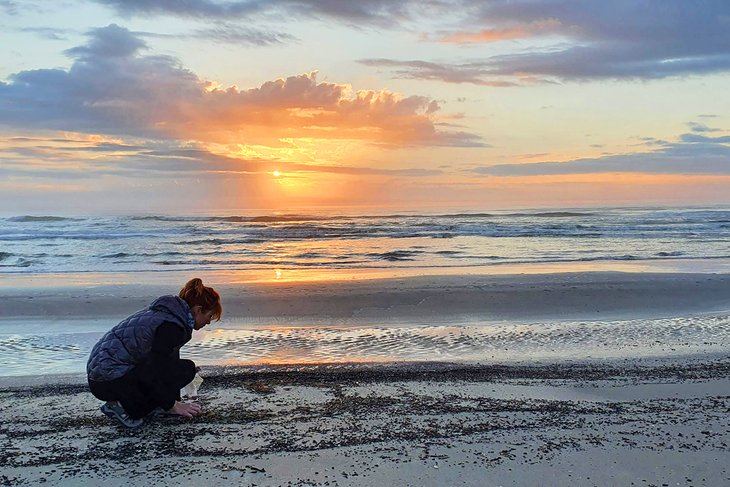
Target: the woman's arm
pixel 165 361
pixel 169 337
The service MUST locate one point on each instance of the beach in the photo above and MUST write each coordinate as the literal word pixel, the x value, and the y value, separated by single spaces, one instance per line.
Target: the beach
pixel 441 243
pixel 587 378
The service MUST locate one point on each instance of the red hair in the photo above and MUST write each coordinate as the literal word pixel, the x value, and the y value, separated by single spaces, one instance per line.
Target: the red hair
pixel 195 294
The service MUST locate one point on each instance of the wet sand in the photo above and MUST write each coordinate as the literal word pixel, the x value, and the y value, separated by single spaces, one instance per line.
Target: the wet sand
pixel 51 326
pixel 622 423
pixel 579 295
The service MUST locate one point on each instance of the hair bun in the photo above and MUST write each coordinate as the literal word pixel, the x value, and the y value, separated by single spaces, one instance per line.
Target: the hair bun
pixel 196 294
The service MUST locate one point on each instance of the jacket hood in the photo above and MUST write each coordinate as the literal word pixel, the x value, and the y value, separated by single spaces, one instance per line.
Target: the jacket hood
pixel 176 307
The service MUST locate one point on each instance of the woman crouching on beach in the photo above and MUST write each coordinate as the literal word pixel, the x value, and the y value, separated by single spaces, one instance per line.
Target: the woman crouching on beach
pixel 136 366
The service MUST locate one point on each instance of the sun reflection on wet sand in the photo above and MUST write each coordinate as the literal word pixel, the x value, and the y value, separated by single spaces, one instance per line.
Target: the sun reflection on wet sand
pixel 282 274
pixel 506 342
pixel 500 342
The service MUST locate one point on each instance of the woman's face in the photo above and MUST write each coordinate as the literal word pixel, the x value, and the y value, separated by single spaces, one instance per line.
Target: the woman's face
pixel 201 317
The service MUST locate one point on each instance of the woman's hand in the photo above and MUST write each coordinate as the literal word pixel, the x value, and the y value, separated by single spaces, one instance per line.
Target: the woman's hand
pixel 187 409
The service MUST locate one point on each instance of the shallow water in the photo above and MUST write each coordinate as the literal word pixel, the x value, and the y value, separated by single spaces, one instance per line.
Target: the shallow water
pixel 25 349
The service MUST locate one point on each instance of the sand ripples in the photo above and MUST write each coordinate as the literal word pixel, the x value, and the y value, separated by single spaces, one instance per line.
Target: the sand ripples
pixel 485 342
pixel 22 354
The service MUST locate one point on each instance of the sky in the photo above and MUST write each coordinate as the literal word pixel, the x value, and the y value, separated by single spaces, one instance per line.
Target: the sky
pixel 211 106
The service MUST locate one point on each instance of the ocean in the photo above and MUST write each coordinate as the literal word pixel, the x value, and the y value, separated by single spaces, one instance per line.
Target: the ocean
pixel 671 240
pixel 54 244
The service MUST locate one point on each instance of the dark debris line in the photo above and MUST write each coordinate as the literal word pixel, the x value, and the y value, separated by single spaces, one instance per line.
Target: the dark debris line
pixel 254 377
pixel 69 444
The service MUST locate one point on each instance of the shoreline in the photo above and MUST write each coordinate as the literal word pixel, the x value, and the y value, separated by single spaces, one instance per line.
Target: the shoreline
pixel 439 425
pixel 579 295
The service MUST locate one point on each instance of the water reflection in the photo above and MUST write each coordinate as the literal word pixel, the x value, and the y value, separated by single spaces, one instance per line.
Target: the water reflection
pixel 33 353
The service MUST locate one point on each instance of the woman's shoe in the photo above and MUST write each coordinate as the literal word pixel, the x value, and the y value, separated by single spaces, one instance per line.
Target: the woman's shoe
pixel 115 411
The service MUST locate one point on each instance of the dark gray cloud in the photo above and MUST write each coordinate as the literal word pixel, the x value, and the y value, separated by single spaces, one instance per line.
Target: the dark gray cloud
pixel 9 7
pixel 370 12
pixel 40 139
pixel 220 33
pixel 702 139
pixel 233 34
pixel 107 42
pixel 100 147
pixel 579 40
pixel 477 73
pixel 50 33
pixel 653 142
pixel 474 73
pixel 692 154
pixel 620 39
pixel 229 34
pixel 108 89
pixel 701 127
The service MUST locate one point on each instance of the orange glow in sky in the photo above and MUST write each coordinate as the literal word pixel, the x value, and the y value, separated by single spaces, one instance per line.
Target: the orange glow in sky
pixel 136 107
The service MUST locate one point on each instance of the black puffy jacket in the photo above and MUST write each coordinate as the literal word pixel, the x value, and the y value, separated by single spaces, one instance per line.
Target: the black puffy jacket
pixel 130 342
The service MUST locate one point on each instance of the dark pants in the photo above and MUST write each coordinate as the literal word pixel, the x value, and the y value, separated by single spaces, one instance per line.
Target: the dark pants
pixel 146 387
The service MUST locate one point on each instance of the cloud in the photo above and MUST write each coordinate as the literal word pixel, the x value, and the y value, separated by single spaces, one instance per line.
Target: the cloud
pixel 372 12
pixel 220 163
pixel 221 32
pixel 519 31
pixel 229 34
pixel 702 139
pixel 112 41
pixel 112 88
pixel 576 40
pixel 701 127
pixel 691 154
pixel 50 33
pixel 10 7
pixel 246 36
pixel 560 40
pixel 77 158
pixel 473 73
